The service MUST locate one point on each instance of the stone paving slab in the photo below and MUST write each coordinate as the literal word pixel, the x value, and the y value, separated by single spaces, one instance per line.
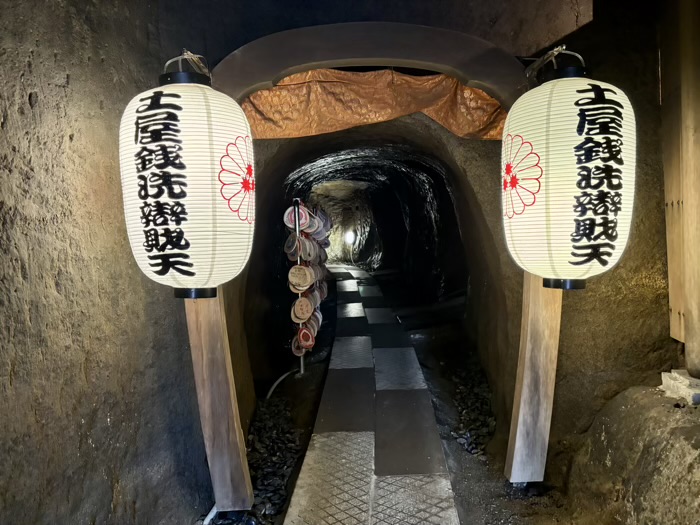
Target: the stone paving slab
pixel 406 436
pixel 359 274
pixel 370 291
pixel 413 500
pixel 380 316
pixel 397 369
pixel 375 302
pixel 335 481
pixel 375 456
pixel 387 271
pixel 349 326
pixel 347 402
pixel 352 352
pixel 348 286
pixel 351 310
pixel 343 276
pixel 388 335
pixel 348 297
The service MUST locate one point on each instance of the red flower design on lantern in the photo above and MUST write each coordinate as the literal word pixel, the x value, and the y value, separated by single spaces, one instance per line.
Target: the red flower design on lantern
pixel 238 180
pixel 521 175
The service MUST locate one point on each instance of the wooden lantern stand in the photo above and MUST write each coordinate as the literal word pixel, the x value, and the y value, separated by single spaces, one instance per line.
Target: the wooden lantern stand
pixel 218 407
pixel 534 386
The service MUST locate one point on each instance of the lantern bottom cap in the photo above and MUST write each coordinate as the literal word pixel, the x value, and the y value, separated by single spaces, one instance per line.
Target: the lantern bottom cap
pixel 195 293
pixel 565 284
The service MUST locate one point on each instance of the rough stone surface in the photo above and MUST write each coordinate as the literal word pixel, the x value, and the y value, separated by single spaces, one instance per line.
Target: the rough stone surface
pixel 98 408
pixel 639 462
pixel 615 334
pixel 97 400
pixel 518 27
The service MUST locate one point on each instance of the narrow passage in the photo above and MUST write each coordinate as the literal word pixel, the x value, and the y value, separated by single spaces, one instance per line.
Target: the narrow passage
pixel 375 456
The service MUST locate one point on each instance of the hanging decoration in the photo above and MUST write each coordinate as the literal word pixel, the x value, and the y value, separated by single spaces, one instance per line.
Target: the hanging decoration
pixel 188 181
pixel 306 248
pixel 567 178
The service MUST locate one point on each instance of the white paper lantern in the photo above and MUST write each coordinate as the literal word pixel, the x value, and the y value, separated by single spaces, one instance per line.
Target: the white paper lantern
pixel 188 183
pixel 567 179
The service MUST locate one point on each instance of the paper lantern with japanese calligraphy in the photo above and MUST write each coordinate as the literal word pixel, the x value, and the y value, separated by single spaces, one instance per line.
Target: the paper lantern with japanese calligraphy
pixel 567 179
pixel 188 184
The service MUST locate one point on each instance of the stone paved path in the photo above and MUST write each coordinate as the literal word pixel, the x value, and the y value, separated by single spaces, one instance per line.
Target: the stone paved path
pixel 375 457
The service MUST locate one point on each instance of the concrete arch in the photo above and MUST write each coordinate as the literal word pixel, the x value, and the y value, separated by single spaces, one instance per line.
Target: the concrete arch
pixel 471 60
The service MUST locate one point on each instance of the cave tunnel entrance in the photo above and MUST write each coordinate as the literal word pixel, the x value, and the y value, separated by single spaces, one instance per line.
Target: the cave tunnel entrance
pixel 386 139
pixel 416 198
pixel 419 230
pixel 400 203
pixel 411 208
pixel 348 99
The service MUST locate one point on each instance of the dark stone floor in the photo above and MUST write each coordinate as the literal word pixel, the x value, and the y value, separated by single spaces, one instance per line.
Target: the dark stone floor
pixel 457 398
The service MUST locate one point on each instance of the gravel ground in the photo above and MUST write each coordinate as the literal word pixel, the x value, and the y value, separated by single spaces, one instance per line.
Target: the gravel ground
pixel 462 408
pixel 274 449
pixel 277 440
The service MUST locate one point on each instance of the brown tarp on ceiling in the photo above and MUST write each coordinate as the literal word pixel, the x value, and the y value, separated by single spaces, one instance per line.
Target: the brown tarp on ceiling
pixel 327 100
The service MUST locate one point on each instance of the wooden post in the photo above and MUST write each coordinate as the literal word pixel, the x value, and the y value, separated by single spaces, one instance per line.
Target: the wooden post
pixel 534 387
pixel 680 106
pixel 233 293
pixel 218 407
pixel 671 147
pixel 690 173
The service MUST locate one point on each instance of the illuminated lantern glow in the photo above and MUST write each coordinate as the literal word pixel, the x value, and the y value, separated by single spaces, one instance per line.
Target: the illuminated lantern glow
pixel 188 182
pixel 567 179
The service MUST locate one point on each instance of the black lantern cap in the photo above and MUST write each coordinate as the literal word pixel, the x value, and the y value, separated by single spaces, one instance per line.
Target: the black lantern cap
pixel 195 293
pixel 183 77
pixel 571 72
pixel 565 284
pixel 199 73
pixel 560 59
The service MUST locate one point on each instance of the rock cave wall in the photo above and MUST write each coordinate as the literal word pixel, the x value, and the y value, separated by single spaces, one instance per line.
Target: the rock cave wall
pixel 100 423
pixel 97 399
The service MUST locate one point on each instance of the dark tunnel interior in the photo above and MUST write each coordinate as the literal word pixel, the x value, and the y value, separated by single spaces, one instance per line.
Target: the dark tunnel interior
pixel 396 204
